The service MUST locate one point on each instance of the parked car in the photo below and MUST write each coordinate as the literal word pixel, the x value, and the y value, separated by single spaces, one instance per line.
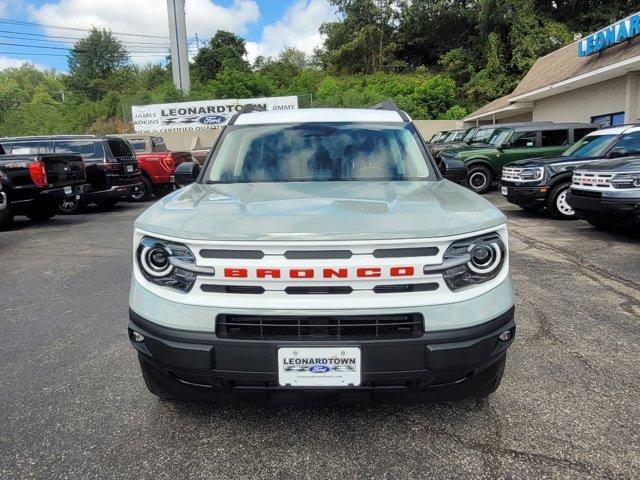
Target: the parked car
pixel 33 185
pixel 111 166
pixel 157 164
pixel 438 136
pixel 477 136
pixel 607 193
pixel 453 137
pixel 321 253
pixel 509 144
pixel 544 182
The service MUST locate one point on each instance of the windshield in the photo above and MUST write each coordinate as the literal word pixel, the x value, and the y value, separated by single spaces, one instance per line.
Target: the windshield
pixel 591 146
pixel 483 135
pixel 318 152
pixel 500 136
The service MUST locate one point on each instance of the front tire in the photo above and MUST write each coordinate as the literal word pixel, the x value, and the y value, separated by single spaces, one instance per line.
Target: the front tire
pixel 557 203
pixel 479 179
pixel 42 213
pixel 145 192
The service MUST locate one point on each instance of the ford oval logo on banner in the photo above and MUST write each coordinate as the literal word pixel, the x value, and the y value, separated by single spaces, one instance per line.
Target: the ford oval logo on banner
pixel 212 119
pixel 319 369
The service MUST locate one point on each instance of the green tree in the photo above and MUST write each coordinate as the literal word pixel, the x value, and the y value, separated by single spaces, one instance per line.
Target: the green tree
pixel 224 50
pixel 93 59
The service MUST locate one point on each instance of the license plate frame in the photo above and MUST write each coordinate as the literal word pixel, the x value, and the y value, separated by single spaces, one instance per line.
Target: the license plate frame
pixel 129 168
pixel 68 190
pixel 504 191
pixel 320 367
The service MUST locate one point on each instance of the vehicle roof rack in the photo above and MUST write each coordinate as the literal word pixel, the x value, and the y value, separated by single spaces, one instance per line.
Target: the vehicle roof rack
pixel 391 106
pixel 248 108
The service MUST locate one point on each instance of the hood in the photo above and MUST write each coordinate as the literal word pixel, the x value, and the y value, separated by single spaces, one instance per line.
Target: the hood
pixel 477 151
pixel 621 165
pixel 320 211
pixel 550 162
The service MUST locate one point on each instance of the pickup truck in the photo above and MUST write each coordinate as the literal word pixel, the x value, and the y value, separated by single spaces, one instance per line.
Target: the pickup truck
pixel 34 185
pixel 157 164
pixel 607 193
pixel 111 167
pixel 320 254
pixel 511 143
pixel 541 183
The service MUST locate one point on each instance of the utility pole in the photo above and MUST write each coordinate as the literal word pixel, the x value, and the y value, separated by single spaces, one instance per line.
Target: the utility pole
pixel 178 36
pixel 197 42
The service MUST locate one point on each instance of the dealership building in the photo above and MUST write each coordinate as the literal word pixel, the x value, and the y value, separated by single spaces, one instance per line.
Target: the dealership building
pixel 595 79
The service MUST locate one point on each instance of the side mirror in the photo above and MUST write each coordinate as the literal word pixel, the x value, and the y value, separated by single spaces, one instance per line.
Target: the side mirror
pixel 504 146
pixel 185 174
pixel 617 153
pixel 454 170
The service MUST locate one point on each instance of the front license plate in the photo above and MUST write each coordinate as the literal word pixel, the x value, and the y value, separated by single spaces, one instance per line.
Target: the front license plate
pixel 504 190
pixel 129 168
pixel 68 190
pixel 319 367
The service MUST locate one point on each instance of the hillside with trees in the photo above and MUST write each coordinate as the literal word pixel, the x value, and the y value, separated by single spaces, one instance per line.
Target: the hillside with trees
pixel 437 59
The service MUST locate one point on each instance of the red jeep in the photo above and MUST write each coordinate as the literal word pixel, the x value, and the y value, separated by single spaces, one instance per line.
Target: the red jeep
pixel 157 164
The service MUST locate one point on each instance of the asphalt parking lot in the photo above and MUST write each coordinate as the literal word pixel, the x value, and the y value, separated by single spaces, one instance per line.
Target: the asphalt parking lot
pixel 73 404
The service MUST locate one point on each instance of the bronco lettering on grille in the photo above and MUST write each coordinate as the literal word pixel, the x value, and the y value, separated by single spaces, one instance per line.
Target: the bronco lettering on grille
pixel 307 273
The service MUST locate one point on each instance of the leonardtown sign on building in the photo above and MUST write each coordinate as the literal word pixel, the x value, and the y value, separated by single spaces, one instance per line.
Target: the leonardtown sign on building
pixel 595 79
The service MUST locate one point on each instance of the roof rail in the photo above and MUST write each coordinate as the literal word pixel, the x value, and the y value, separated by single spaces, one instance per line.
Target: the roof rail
pixel 388 105
pixel 248 108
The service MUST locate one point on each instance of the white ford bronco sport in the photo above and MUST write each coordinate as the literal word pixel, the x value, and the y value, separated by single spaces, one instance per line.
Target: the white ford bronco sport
pixel 319 254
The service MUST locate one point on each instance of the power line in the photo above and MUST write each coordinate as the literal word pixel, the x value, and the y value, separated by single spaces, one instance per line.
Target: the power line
pixel 47 47
pixel 34 24
pixel 150 55
pixel 68 42
pixel 55 37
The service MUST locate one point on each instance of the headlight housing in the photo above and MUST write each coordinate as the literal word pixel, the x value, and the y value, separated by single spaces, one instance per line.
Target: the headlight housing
pixel 530 174
pixel 169 264
pixel 471 261
pixel 626 180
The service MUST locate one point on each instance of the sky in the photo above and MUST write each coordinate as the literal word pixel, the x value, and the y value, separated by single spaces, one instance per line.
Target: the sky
pixel 29 29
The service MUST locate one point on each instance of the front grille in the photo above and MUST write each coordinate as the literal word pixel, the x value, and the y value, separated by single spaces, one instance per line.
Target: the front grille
pixel 332 327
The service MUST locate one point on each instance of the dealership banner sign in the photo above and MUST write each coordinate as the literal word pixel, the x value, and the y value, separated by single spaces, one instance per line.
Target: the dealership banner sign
pixel 202 115
pixel 619 32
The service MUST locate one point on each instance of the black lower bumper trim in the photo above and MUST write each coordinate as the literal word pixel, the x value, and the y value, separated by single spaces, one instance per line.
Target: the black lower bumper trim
pixel 526 197
pixel 117 191
pixel 204 364
pixel 606 208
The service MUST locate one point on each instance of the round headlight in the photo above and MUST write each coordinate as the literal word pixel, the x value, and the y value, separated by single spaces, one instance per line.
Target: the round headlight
pixel 636 182
pixel 485 257
pixel 537 174
pixel 155 260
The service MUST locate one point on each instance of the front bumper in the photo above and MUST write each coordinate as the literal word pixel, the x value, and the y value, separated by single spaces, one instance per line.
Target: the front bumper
pixel 439 365
pixel 605 208
pixel 525 196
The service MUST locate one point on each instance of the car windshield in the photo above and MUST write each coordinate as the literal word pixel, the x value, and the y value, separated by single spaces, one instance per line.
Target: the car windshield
pixel 591 146
pixel 318 152
pixel 483 135
pixel 500 136
pixel 470 135
pixel 453 136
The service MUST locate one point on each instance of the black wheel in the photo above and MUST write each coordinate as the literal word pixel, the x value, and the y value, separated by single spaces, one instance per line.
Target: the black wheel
pixel 6 217
pixel 42 213
pixel 70 205
pixel 145 192
pixel 107 203
pixel 479 179
pixel 557 203
pixel 495 383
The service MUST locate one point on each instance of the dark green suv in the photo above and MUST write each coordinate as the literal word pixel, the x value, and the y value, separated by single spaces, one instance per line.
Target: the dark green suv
pixel 512 143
